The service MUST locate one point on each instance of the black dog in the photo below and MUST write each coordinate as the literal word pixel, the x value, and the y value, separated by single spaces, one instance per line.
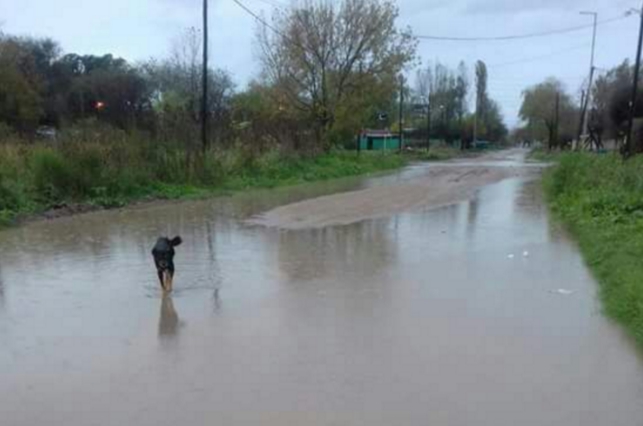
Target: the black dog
pixel 163 253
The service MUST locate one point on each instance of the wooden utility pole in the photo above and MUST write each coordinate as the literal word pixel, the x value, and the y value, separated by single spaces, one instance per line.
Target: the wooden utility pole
pixel 629 147
pixel 585 120
pixel 428 123
pixel 401 117
pixel 582 120
pixel 556 131
pixel 475 121
pixel 204 100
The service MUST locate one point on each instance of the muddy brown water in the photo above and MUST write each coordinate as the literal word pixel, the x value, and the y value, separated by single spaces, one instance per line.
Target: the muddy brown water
pixel 415 319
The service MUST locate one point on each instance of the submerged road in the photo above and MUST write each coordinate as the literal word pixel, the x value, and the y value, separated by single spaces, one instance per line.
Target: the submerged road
pixel 439 295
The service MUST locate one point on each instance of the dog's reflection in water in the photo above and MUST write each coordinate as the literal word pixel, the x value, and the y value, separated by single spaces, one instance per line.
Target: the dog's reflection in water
pixel 168 319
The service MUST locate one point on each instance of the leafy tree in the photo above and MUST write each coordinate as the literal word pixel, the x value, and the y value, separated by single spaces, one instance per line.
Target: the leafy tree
pixel 539 111
pixel 482 97
pixel 263 120
pixel 496 128
pixel 104 87
pixel 177 87
pixel 323 56
pixel 447 91
pixel 20 98
pixel 45 52
pixel 610 100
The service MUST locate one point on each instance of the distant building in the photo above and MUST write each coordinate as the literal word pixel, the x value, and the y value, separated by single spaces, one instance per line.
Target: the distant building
pixel 378 140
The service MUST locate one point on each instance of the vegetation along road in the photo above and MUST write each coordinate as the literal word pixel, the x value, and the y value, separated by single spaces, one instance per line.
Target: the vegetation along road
pixel 328 272
pixel 352 301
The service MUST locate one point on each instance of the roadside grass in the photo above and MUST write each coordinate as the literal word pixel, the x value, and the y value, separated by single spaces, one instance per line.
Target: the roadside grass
pixel 108 168
pixel 122 169
pixel 444 153
pixel 439 153
pixel 600 199
pixel 542 155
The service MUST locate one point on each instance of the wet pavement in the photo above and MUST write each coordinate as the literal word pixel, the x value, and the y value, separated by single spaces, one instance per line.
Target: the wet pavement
pixel 447 316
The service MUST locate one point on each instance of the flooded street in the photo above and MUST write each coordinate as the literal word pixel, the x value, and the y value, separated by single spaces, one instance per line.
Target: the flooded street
pixel 477 312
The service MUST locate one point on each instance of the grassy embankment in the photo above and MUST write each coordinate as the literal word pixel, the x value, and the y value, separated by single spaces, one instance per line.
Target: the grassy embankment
pixel 438 153
pixel 542 155
pixel 118 171
pixel 600 199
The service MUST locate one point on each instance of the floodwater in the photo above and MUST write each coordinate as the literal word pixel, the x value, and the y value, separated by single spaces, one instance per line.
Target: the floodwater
pixel 421 318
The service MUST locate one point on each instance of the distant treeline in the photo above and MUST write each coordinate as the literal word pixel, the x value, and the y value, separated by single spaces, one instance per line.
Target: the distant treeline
pixel 327 72
pixel 551 114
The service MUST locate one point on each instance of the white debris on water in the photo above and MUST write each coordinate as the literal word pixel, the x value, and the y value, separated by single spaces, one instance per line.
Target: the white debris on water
pixel 510 256
pixel 525 253
pixel 563 291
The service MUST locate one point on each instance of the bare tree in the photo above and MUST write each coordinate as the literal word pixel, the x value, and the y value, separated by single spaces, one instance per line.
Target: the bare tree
pixel 184 64
pixel 178 82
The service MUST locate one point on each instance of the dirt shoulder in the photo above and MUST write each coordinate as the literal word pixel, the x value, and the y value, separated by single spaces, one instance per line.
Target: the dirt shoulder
pixel 442 184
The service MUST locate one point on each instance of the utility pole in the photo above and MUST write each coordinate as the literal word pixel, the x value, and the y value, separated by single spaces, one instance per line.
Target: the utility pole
pixel 475 121
pixel 588 96
pixel 556 141
pixel 582 119
pixel 204 100
pixel 629 147
pixel 401 118
pixel 428 122
pixel 443 118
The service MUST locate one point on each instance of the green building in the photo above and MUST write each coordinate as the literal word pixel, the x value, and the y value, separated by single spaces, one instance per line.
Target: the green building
pixel 378 140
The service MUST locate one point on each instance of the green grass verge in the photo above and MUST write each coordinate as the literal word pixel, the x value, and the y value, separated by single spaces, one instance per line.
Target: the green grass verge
pixel 600 199
pixel 542 155
pixel 441 153
pixel 33 179
pixel 444 153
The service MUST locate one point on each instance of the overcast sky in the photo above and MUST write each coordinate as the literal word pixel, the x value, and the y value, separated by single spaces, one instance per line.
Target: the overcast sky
pixel 139 29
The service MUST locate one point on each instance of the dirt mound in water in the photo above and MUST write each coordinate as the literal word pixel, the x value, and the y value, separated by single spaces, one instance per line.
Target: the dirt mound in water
pixel 443 184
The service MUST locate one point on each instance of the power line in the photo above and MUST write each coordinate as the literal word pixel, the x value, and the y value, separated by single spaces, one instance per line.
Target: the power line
pixel 535 58
pixel 274 3
pixel 254 15
pixel 267 25
pixel 520 36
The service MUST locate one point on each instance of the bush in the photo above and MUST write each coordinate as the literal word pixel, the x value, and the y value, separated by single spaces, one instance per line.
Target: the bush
pixel 53 177
pixel 9 196
pixel 6 132
pixel 112 172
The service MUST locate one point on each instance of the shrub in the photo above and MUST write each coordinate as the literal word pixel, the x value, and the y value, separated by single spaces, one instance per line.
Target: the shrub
pixel 9 196
pixel 86 166
pixel 52 175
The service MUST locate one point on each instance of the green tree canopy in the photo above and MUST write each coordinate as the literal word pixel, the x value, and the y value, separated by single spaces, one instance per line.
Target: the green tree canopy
pixel 323 56
pixel 539 108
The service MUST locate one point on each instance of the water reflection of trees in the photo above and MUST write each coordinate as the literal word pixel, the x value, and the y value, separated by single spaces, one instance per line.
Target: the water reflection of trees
pixel 2 297
pixel 128 235
pixel 473 209
pixel 315 253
